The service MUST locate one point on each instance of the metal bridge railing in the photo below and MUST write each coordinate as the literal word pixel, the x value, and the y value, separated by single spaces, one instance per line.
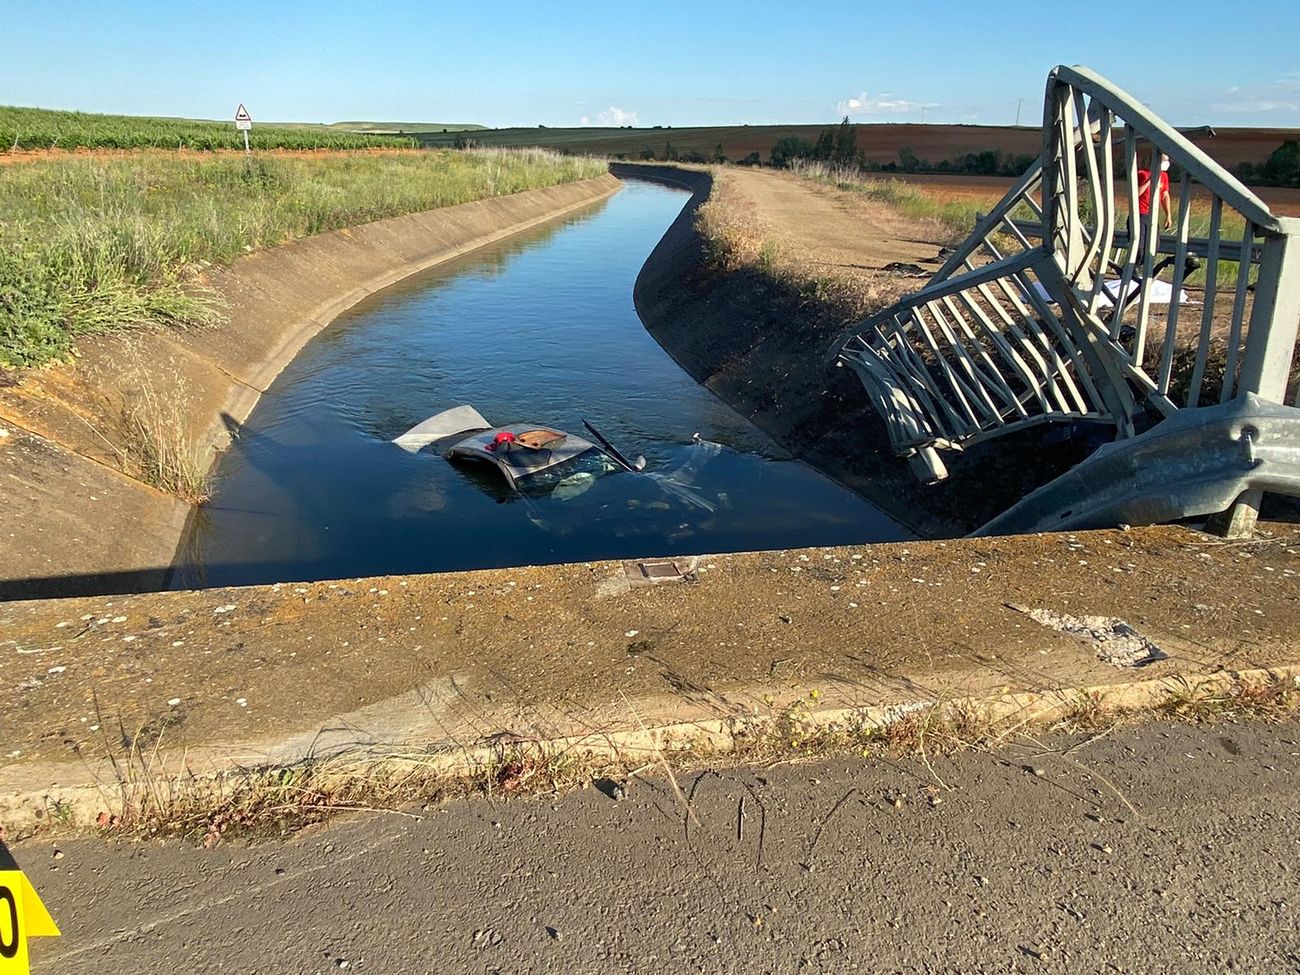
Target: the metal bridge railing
pixel 1067 303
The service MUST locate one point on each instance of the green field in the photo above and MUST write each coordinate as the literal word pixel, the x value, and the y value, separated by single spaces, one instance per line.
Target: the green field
pixel 95 243
pixel 39 128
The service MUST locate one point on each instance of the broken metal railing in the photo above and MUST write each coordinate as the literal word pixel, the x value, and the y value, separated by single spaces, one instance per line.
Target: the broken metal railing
pixel 1047 312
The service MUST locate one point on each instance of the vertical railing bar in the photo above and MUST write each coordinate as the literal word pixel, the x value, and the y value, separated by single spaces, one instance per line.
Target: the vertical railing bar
pixel 1006 351
pixel 1180 272
pixel 959 391
pixel 938 405
pixel 929 412
pixel 1037 343
pixel 979 382
pixel 1090 394
pixel 1238 313
pixel 1058 330
pixel 991 380
pixel 1088 147
pixel 907 424
pixel 1208 299
pixel 1068 184
pixel 902 382
pixel 884 402
pixel 1149 258
pixel 1120 305
pixel 1107 216
pixel 1270 348
pixel 1041 374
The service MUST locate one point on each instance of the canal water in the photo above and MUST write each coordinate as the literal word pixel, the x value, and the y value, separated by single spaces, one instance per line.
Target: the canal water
pixel 542 329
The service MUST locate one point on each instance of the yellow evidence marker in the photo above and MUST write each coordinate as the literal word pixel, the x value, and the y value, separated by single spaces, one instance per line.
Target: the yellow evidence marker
pixel 22 916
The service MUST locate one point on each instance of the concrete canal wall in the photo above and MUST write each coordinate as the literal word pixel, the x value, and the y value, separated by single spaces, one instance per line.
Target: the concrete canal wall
pixel 70 521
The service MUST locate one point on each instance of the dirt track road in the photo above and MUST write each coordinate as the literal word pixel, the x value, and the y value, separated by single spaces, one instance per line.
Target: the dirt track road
pixel 836 231
pixel 1160 848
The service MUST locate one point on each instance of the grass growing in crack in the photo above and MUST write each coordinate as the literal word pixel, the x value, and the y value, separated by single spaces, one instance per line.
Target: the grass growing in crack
pixel 949 727
pixel 153 794
pixel 1272 700
pixel 151 437
pixel 1086 712
pixel 155 421
pixel 96 244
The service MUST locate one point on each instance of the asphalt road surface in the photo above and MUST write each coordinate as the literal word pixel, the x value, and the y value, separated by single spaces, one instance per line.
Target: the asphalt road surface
pixel 1157 848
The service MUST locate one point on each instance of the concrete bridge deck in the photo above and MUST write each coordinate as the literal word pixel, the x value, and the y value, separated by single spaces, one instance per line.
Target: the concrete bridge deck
pixel 270 674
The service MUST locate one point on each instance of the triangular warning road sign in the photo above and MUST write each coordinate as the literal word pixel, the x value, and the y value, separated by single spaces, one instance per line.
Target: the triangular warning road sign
pixel 242 115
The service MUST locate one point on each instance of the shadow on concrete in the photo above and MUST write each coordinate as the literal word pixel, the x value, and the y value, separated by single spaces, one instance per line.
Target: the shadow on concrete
pixel 90 584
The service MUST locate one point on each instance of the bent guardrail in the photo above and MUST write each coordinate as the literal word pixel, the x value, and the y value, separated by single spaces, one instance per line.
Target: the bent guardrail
pixel 1048 311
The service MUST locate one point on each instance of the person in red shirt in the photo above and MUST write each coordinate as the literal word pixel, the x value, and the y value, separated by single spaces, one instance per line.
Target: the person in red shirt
pixel 1144 203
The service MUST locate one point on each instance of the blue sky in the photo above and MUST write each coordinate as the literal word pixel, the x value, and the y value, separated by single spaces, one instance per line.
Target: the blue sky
pixel 667 63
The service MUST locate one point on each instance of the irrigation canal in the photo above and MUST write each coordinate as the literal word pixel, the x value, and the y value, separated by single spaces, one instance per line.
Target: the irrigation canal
pixel 538 328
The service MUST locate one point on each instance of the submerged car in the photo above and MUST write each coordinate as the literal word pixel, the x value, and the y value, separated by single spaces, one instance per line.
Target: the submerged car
pixel 537 460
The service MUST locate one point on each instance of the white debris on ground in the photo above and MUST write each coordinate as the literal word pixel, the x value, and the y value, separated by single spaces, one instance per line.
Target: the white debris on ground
pixel 1115 642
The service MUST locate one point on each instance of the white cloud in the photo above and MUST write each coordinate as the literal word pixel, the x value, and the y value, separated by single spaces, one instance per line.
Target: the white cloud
pixel 1280 96
pixel 612 117
pixel 864 104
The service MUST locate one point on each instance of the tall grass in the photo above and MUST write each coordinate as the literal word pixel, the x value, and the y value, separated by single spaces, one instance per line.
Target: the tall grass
pixel 959 215
pixel 956 216
pixel 41 128
pixel 92 244
pixel 156 444
pixel 737 240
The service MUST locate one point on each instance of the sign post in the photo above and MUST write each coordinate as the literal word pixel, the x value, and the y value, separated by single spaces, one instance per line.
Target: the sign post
pixel 243 122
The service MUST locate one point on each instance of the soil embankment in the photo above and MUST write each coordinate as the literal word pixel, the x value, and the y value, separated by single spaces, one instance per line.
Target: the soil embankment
pixel 72 523
pixel 757 337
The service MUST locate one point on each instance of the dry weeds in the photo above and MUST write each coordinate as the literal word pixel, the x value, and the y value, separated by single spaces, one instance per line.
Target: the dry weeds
pixel 1271 700
pixel 737 240
pixel 157 446
pixel 148 793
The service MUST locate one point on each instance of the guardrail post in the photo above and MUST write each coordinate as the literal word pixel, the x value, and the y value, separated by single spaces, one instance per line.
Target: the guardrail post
pixel 1270 348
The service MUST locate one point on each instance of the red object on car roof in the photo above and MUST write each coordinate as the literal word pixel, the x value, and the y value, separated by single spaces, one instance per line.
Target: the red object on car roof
pixel 505 436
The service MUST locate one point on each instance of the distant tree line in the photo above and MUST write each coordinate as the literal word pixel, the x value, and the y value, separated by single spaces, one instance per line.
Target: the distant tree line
pixel 1282 168
pixel 837 145
pixel 672 154
pixel 990 162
